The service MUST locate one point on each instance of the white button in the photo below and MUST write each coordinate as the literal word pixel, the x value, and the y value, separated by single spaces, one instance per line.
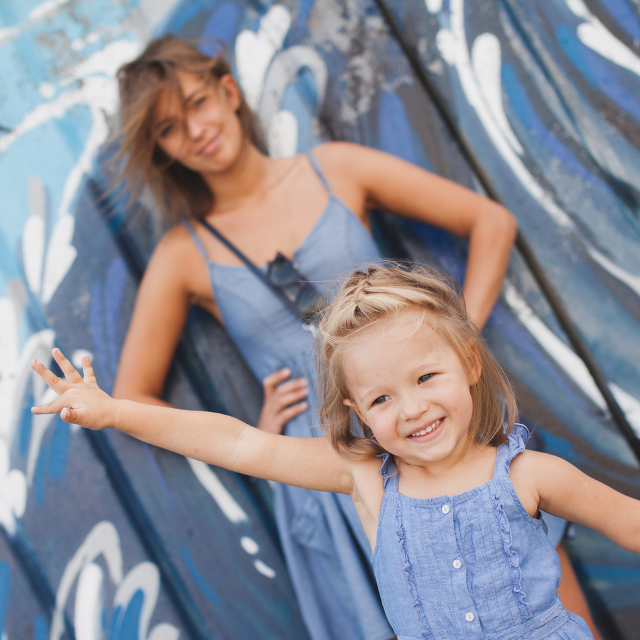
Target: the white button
pixel 469 616
pixel 446 508
pixel 457 564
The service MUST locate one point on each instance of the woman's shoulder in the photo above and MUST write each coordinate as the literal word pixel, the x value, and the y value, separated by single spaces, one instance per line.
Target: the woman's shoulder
pixel 339 153
pixel 176 240
pixel 175 251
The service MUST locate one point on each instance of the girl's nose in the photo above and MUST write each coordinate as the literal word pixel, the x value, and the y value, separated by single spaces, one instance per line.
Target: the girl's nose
pixel 414 407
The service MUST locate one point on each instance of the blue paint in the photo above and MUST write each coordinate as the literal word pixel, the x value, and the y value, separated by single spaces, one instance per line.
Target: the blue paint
pixel 624 16
pixel 221 27
pixel 75 127
pixel 59 448
pixel 5 591
pixel 27 420
pixel 100 349
pixel 574 50
pixel 184 13
pixel 127 623
pixel 303 104
pixel 394 130
pixel 304 10
pixel 40 631
pixel 114 286
pixel 596 71
pixel 519 100
pixel 197 577
pixel 39 474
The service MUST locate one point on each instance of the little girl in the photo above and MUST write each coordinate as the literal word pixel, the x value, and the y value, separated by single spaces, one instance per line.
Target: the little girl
pixel 421 434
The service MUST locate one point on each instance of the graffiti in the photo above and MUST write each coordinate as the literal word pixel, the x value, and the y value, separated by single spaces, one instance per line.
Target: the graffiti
pixel 141 583
pixel 526 81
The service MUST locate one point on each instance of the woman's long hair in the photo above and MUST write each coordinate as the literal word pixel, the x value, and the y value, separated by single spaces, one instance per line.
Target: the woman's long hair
pixel 177 190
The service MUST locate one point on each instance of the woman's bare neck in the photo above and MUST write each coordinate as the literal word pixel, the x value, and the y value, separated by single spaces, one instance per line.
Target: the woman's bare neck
pixel 245 180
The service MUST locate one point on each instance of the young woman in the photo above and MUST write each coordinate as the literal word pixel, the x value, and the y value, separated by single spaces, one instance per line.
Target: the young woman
pixel 188 135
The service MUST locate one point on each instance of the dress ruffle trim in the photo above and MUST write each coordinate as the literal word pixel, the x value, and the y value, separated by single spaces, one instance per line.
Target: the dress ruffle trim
pixel 515 445
pixel 408 571
pixel 512 556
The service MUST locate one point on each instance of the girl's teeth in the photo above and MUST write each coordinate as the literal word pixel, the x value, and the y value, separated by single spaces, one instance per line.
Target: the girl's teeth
pixel 424 432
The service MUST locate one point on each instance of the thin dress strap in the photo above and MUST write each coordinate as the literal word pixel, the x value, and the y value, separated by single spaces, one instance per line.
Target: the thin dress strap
pixel 389 472
pixel 510 449
pixel 316 168
pixel 196 239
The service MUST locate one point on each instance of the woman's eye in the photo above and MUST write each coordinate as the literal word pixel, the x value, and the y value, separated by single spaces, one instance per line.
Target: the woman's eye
pixel 165 131
pixel 425 377
pixel 198 101
pixel 381 400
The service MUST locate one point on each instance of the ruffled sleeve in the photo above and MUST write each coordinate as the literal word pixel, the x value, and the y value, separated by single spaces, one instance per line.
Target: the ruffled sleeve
pixel 388 471
pixel 510 449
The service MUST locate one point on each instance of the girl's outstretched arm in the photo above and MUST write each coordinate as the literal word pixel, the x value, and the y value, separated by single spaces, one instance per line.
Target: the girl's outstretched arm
pixel 566 492
pixel 211 437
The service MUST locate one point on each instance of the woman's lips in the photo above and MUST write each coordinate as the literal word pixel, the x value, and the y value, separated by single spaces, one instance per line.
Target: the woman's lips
pixel 210 147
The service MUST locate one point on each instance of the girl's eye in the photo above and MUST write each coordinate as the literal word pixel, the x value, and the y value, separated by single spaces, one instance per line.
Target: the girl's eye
pixel 424 378
pixel 381 400
pixel 198 101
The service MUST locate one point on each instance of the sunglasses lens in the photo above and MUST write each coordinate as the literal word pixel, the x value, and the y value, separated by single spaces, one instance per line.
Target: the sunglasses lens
pixel 282 272
pixel 309 302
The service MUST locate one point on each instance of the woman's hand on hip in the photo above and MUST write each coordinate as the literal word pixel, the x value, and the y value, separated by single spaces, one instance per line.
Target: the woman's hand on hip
pixel 284 399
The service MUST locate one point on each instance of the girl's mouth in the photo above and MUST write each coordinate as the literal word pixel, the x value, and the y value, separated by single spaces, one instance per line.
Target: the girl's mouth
pixel 427 431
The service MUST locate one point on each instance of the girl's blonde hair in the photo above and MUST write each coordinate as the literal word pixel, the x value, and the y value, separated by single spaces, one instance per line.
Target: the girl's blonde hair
pixel 381 292
pixel 177 190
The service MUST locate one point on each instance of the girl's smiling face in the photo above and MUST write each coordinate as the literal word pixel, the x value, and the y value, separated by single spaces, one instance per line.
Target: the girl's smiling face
pixel 410 388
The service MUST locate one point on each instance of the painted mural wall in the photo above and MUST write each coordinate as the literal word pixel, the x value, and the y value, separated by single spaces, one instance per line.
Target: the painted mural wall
pixel 104 536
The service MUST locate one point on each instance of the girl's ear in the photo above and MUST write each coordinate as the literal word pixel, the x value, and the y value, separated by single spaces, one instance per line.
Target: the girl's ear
pixel 231 90
pixel 352 405
pixel 476 367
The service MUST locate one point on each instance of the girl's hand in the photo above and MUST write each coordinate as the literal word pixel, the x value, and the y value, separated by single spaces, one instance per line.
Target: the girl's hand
pixel 81 401
pixel 282 400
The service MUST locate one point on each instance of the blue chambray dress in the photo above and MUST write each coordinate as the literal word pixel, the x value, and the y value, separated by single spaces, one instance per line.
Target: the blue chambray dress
pixel 325 547
pixel 473 565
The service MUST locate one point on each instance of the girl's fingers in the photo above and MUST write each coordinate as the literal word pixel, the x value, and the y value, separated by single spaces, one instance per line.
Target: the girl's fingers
pixel 67 368
pixel 69 415
pixel 55 406
pixel 56 383
pixel 87 370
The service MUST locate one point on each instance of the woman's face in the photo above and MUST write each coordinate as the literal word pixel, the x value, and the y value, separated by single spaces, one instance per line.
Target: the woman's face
pixel 206 136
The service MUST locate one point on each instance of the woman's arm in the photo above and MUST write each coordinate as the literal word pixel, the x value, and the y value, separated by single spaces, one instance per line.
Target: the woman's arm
pixel 564 491
pixel 159 317
pixel 175 279
pixel 211 437
pixel 389 183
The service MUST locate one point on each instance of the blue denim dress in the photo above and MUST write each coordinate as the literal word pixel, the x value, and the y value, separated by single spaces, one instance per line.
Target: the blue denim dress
pixel 325 546
pixel 473 565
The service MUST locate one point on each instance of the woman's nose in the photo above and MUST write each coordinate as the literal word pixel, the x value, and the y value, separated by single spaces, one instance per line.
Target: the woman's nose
pixel 194 127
